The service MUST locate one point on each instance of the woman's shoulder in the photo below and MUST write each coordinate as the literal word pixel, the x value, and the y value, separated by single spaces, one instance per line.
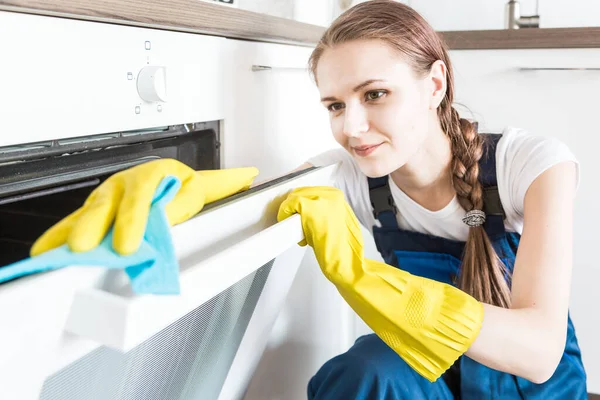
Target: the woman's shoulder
pixel 523 153
pixel 521 157
pixel 519 140
pixel 349 179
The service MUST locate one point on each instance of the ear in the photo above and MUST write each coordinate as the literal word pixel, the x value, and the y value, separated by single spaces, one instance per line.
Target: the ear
pixel 437 80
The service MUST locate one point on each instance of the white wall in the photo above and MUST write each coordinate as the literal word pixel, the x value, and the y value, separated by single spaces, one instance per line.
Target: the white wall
pixel 316 12
pixel 452 15
pixel 277 8
pixel 447 15
pixel 443 15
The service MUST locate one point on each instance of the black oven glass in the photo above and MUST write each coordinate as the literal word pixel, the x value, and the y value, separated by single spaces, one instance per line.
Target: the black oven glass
pixel 36 193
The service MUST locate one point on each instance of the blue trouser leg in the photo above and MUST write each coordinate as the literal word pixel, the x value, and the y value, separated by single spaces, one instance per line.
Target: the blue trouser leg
pixel 370 370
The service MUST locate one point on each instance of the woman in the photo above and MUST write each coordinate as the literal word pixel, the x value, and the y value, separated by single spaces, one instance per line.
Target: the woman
pixel 490 214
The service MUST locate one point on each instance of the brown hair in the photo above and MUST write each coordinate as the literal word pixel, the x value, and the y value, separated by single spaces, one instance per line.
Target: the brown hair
pixel 482 273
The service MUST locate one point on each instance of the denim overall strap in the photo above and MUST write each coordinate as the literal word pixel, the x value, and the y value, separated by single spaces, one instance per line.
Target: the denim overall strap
pixel 492 206
pixel 384 209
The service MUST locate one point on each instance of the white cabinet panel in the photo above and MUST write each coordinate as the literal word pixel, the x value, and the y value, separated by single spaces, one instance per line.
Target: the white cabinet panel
pixel 556 103
pixel 274 121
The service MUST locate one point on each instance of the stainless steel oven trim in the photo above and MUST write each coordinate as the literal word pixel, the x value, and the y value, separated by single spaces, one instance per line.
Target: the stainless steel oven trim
pixel 28 151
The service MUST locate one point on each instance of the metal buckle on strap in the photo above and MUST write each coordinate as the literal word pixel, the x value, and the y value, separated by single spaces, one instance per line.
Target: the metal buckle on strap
pixel 382 200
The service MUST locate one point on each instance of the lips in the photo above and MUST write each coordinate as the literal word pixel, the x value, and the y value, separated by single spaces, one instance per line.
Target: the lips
pixel 365 150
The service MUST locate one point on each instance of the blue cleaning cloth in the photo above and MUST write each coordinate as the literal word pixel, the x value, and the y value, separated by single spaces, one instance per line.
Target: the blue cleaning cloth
pixel 153 269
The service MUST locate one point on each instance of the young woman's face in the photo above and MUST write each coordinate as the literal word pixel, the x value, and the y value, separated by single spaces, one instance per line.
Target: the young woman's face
pixel 380 110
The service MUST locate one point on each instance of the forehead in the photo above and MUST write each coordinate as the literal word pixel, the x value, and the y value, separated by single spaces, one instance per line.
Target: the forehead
pixel 344 66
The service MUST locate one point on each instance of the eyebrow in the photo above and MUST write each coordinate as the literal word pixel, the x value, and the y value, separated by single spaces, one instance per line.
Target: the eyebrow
pixel 355 89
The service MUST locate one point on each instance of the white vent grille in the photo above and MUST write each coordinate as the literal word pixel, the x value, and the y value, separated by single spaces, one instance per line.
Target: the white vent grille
pixel 189 359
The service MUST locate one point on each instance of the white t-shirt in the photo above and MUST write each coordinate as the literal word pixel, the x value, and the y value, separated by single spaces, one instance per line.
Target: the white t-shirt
pixel 520 159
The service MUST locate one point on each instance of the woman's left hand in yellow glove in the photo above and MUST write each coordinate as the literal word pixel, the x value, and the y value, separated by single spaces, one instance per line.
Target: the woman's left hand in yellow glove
pixel 125 199
pixel 428 323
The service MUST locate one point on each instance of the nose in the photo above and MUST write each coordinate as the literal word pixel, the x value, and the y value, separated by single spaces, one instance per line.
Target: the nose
pixel 355 121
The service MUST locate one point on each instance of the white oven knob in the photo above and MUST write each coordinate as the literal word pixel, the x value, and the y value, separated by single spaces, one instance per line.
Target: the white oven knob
pixel 152 83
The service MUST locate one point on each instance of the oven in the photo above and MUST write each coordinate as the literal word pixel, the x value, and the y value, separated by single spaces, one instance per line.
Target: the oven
pixel 80 101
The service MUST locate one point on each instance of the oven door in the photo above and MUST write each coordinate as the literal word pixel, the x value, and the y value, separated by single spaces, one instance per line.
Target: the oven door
pixel 80 333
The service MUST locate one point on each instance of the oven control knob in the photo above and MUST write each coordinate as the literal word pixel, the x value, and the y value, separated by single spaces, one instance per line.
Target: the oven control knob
pixel 152 83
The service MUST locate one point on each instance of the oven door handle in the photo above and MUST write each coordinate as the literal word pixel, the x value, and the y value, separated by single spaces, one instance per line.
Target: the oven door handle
pixel 213 256
pixel 123 322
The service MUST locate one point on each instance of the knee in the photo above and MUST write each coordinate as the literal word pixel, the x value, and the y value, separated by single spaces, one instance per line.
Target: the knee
pixel 351 366
pixel 344 376
pixel 370 369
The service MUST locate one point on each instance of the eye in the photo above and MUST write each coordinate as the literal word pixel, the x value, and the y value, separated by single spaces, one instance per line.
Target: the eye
pixel 335 107
pixel 375 94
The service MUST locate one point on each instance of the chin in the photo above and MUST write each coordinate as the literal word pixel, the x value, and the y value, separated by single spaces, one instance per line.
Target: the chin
pixel 374 168
pixel 382 162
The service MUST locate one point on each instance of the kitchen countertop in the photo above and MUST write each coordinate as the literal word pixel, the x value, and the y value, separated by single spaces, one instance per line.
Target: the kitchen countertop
pixel 220 20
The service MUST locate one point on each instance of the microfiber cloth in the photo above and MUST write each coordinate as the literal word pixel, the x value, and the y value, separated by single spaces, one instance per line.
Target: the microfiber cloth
pixel 153 269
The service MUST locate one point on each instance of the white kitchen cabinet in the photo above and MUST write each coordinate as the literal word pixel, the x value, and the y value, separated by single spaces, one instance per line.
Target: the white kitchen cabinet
pixel 558 103
pixel 274 121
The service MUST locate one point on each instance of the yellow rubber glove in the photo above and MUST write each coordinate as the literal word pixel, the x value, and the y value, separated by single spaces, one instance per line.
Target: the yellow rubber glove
pixel 125 199
pixel 428 323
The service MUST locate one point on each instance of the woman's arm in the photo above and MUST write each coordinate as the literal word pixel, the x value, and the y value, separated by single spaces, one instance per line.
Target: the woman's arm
pixel 528 339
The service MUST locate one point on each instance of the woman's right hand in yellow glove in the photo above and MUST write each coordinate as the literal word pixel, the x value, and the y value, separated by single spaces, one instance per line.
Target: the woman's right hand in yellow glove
pixel 125 199
pixel 428 323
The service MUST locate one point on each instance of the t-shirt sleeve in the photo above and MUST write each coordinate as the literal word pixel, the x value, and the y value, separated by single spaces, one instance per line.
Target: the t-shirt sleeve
pixel 520 159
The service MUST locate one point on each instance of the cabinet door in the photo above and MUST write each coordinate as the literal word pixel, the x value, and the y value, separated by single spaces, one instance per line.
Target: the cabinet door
pixel 274 121
pixel 562 103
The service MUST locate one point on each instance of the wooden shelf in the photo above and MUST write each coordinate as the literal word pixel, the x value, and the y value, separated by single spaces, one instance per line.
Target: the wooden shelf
pixel 550 38
pixel 198 16
pixel 195 16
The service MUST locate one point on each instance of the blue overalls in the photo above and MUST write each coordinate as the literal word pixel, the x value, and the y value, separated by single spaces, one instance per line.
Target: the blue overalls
pixel 370 370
